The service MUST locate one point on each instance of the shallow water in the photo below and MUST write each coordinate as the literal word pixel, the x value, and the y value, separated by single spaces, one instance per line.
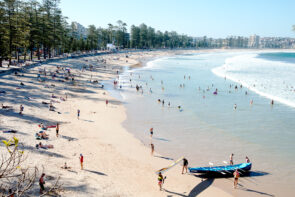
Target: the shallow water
pixel 208 128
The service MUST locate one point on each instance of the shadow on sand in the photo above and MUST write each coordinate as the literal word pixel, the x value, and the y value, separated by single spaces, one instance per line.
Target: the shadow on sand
pixel 161 157
pixel 195 191
pixel 96 172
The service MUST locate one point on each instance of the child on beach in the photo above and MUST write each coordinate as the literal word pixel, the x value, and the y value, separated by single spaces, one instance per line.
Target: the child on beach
pixel 81 161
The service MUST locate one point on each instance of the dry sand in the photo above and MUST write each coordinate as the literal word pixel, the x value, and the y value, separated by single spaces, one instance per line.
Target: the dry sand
pixel 115 162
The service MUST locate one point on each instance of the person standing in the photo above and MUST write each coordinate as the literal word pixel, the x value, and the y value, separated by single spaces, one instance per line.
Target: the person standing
pixel 21 109
pixel 185 164
pixel 41 183
pixel 231 161
pixel 247 159
pixel 57 129
pixel 160 180
pixel 81 160
pixel 78 114
pixel 236 178
pixel 151 132
pixel 152 149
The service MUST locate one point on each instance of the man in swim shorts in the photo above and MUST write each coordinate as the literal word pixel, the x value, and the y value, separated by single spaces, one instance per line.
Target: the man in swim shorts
pixel 185 164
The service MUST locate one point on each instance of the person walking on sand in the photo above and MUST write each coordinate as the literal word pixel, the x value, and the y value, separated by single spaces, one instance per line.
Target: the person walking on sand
pixel 231 161
pixel 21 109
pixel 57 129
pixel 41 183
pixel 78 114
pixel 185 164
pixel 152 149
pixel 236 178
pixel 160 180
pixel 81 160
pixel 151 132
pixel 107 102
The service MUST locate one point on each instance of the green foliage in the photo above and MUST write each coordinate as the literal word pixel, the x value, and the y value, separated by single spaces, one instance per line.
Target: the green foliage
pixel 37 27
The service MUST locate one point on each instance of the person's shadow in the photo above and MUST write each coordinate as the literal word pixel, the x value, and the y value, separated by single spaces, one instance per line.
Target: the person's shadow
pixel 196 190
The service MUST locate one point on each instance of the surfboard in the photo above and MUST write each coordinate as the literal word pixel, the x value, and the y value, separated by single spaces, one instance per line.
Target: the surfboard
pixel 162 170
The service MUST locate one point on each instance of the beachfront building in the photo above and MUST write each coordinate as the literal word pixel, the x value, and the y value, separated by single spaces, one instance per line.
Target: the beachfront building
pixel 277 42
pixel 79 30
pixel 254 41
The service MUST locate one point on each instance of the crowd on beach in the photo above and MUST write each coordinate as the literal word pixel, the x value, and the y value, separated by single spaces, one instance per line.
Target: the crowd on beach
pixel 64 76
pixel 53 78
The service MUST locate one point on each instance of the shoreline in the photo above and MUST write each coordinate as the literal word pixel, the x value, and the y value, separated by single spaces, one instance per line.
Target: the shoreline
pixel 225 185
pixel 115 161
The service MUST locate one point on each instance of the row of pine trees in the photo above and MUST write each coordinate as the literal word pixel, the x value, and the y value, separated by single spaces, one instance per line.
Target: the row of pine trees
pixel 33 29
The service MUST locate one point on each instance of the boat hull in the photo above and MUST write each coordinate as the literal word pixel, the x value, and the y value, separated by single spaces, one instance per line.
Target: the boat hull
pixel 229 169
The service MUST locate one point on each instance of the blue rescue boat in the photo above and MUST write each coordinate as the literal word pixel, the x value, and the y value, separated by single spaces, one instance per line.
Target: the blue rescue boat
pixel 242 167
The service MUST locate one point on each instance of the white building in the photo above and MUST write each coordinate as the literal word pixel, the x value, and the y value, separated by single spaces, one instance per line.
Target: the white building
pixel 80 30
pixel 253 41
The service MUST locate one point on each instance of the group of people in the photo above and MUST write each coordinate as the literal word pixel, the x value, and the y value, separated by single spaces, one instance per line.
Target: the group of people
pixel 236 173
pixel 161 179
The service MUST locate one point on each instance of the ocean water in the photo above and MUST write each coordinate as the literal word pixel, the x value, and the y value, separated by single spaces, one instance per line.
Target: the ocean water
pixel 208 128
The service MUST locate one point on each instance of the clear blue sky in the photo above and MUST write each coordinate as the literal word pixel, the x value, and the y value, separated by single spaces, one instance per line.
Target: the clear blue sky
pixel 213 18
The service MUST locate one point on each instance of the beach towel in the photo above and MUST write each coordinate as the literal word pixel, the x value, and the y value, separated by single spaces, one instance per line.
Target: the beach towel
pixel 51 126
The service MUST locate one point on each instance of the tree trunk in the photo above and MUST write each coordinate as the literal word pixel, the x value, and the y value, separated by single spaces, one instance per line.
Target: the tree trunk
pixel 31 54
pixel 38 53
pixel 25 56
pixel 17 55
pixel 44 53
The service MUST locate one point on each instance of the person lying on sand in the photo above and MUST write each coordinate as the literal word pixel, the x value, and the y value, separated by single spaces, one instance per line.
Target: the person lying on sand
pixel 42 135
pixel 42 126
pixel 40 145
pixel 6 106
pixel 10 131
pixel 45 103
pixel 51 107
pixel 65 166
pixel 53 96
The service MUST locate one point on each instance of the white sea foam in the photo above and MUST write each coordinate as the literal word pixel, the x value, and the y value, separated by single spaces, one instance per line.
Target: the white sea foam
pixel 271 79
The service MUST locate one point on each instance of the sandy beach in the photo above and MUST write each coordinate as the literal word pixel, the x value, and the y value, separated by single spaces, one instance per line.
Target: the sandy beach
pixel 115 162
